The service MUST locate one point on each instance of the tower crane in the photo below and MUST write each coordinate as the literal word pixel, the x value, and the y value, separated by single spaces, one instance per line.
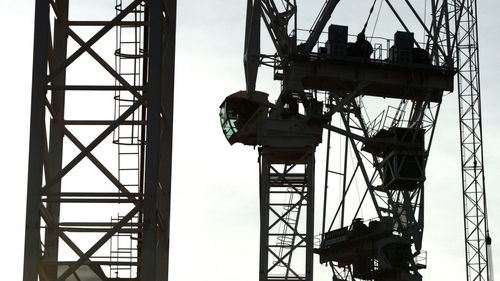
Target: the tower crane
pixel 336 85
pixel 330 81
pixel 477 237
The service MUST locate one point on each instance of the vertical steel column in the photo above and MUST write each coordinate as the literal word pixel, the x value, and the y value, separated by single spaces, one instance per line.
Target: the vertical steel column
pixel 162 15
pixel 471 146
pixel 264 215
pixel 310 173
pixel 56 136
pixel 159 135
pixel 166 133
pixel 32 251
pixel 153 96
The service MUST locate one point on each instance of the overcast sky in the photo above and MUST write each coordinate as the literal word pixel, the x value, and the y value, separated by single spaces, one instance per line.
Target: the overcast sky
pixel 214 223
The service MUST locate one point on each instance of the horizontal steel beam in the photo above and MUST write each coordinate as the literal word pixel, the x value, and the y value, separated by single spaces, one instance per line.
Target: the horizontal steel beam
pixel 94 38
pixel 102 122
pixel 78 229
pixel 95 262
pixel 88 200
pixel 102 23
pixel 96 224
pixel 95 88
pixel 94 194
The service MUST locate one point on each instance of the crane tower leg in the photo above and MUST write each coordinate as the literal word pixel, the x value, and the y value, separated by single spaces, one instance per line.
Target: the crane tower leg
pixel 32 249
pixel 286 211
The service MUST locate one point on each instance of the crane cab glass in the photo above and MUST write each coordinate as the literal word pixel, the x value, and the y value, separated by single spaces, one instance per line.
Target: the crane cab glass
pixel 232 116
pixel 238 116
pixel 226 123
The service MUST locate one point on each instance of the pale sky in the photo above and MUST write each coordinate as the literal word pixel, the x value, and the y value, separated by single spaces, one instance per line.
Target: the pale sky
pixel 214 217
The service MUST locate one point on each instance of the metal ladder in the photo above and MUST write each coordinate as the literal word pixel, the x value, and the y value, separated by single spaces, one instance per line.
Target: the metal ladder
pixel 123 252
pixel 290 213
pixel 129 56
pixel 292 217
pixel 128 64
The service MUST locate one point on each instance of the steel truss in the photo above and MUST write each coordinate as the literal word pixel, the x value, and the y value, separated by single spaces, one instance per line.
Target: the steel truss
pixel 52 198
pixel 476 233
pixel 405 206
pixel 287 216
pixel 459 18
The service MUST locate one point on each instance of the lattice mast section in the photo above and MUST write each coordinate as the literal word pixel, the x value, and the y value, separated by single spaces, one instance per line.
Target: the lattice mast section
pixel 471 140
pixel 287 209
pixel 65 241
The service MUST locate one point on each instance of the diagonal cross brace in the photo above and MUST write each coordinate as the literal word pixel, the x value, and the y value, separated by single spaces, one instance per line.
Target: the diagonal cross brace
pixel 92 53
pixel 93 144
pixel 91 157
pixel 48 220
pixel 94 38
pixel 101 167
pixel 281 218
pixel 98 244
pixel 281 260
pixel 103 63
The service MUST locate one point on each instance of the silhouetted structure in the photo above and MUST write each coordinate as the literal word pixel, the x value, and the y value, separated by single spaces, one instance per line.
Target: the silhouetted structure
pixel 117 229
pixel 390 154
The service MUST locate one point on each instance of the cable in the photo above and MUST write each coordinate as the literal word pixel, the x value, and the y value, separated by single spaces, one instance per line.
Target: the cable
pixel 376 20
pixel 425 18
pixel 357 187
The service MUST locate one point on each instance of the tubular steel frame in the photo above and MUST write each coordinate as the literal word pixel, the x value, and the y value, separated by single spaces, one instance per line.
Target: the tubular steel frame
pixel 47 191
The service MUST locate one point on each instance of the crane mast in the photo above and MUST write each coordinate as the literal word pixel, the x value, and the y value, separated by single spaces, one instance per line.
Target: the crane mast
pixel 89 217
pixel 477 240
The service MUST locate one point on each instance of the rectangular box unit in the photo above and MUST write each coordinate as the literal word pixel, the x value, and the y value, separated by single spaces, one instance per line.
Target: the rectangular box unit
pixel 402 51
pixel 337 40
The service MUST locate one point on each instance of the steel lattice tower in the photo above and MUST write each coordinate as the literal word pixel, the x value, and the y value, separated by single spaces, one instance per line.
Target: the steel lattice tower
pixel 56 248
pixel 471 140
